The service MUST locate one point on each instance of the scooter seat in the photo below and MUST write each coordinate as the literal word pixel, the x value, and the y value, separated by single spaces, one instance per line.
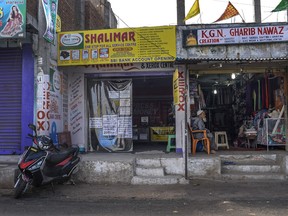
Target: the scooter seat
pixel 57 157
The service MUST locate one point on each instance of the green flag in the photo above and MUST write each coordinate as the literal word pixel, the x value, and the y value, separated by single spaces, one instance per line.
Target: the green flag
pixel 283 5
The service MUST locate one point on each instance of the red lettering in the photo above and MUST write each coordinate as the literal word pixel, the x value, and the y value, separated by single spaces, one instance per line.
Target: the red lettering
pixel 181 107
pixel 110 37
pixel 181 75
pixel 40 125
pixel 212 33
pixel 41 114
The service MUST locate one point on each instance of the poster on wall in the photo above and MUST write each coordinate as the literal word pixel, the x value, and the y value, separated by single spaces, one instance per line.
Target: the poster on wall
pixel 43 104
pixel 76 109
pixel 56 110
pixel 110 115
pixel 50 10
pixel 13 19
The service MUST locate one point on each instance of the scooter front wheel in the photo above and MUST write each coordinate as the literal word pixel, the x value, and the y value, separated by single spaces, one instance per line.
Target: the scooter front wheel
pixel 20 187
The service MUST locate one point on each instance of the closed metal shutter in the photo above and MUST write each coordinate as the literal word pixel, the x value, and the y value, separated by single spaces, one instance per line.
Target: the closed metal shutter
pixel 10 100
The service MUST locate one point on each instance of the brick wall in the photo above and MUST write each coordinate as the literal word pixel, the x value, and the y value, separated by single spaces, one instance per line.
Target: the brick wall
pixel 67 13
pixel 93 19
pixel 32 8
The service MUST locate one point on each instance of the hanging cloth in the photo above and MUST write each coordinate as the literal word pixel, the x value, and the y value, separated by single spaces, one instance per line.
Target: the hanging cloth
pixel 254 100
pixel 259 95
pixel 267 91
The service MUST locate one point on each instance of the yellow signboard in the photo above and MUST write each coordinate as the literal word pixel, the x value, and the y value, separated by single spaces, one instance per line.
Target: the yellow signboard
pixel 160 134
pixel 175 87
pixel 112 46
pixel 58 24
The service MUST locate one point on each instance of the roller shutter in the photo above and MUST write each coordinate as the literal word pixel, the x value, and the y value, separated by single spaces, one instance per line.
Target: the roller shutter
pixel 10 100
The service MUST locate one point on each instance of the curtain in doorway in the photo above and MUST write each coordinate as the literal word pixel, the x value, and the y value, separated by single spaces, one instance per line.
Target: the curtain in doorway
pixel 110 115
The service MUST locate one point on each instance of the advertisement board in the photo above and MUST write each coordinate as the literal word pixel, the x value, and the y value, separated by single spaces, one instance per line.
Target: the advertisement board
pixel 113 46
pixel 13 19
pixel 237 35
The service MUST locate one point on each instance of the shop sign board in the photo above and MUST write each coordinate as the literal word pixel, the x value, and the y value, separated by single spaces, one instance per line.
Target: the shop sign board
pixel 175 87
pixel 236 35
pixel 114 46
pixel 13 19
pixel 125 67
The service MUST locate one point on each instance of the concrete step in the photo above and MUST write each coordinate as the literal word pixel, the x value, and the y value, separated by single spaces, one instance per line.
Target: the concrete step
pixel 148 162
pixel 149 171
pixel 165 180
pixel 250 158
pixel 251 168
pixel 254 176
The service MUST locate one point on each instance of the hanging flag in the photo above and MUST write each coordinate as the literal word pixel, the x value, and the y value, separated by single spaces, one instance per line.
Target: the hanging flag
pixel 195 10
pixel 230 11
pixel 283 5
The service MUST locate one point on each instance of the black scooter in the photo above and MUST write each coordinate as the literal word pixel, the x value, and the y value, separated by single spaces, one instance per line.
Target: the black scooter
pixel 43 163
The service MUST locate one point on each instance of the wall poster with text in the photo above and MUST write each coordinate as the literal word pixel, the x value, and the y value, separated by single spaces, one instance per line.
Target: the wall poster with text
pixel 110 115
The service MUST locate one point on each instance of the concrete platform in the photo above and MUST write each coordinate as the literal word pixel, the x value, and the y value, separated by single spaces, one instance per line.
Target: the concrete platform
pixel 120 168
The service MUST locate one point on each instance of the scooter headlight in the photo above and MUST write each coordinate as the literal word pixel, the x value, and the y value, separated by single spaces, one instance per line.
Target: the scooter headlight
pixel 36 166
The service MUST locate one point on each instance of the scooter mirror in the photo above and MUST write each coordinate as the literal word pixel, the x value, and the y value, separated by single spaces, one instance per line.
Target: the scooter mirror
pixel 32 127
pixel 30 135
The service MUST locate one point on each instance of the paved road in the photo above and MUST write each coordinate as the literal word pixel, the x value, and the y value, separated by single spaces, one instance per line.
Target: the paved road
pixel 200 197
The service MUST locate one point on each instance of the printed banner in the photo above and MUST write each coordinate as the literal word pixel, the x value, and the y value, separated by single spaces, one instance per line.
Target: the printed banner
pixel 160 134
pixel 56 103
pixel 43 104
pixel 113 46
pixel 257 34
pixel 50 9
pixel 13 19
pixel 175 87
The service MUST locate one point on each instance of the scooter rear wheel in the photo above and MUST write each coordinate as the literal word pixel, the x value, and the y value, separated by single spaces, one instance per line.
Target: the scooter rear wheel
pixel 20 187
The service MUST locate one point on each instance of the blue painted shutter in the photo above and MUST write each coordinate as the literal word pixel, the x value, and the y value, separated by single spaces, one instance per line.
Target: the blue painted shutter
pixel 10 100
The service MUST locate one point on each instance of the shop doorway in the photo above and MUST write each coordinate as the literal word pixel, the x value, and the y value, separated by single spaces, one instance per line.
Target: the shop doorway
pixel 242 106
pixel 153 113
pixel 146 121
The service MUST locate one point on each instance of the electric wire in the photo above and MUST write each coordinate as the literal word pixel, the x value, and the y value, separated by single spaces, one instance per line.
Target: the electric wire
pixel 134 30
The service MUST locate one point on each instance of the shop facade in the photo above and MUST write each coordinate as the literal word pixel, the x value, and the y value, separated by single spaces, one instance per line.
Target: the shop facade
pixel 120 88
pixel 129 106
pixel 238 76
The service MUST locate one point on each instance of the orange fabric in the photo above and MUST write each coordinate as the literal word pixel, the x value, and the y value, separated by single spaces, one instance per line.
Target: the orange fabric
pixel 230 11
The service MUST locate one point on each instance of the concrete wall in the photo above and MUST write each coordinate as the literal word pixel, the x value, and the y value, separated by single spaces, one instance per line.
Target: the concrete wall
pixel 204 167
pixel 105 172
pixel 122 171
pixel 285 165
